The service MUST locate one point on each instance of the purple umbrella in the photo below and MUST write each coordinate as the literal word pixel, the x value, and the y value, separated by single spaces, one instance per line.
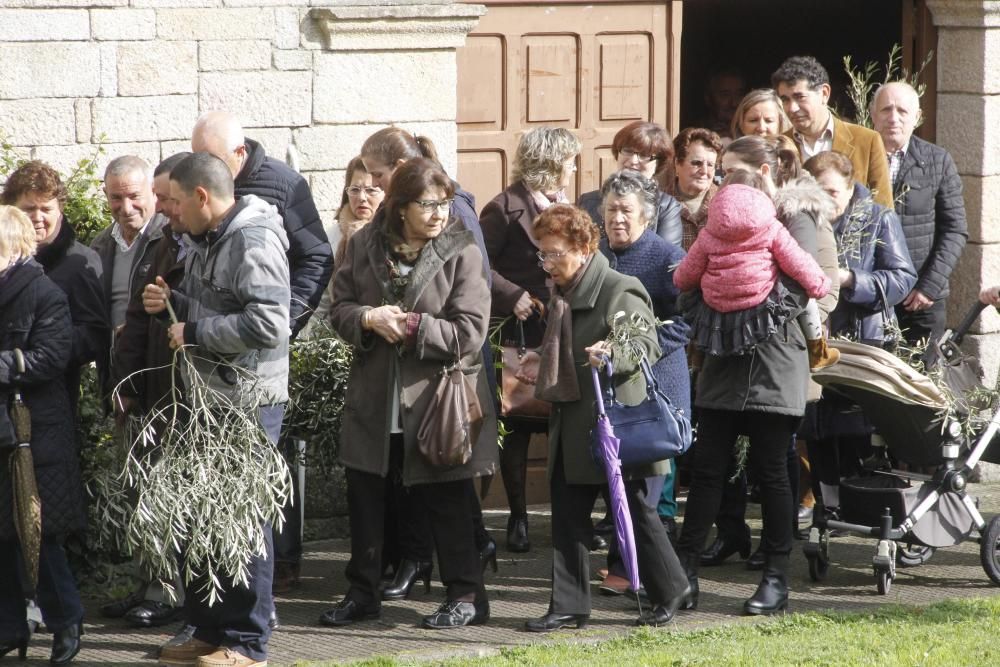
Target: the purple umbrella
pixel 605 436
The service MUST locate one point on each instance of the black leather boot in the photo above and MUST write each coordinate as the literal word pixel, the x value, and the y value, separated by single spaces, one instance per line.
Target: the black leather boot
pixel 690 564
pixel 517 534
pixel 725 546
pixel 66 644
pixel 409 572
pixel 771 596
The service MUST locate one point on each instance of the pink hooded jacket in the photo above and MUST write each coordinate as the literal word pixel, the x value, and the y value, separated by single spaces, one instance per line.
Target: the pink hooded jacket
pixel 737 255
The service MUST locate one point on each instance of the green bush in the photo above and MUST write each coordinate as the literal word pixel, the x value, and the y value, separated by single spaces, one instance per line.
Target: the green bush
pixel 86 207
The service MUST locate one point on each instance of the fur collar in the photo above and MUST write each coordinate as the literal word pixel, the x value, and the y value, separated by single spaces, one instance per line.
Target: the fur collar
pixel 803 194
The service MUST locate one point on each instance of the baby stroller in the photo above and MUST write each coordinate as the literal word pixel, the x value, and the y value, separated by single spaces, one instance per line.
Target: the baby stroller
pixel 908 513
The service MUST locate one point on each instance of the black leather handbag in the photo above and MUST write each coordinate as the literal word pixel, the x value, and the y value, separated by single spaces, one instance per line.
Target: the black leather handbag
pixel 654 430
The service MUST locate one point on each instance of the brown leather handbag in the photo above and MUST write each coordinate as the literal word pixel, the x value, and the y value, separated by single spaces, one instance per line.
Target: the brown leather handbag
pixel 517 399
pixel 453 418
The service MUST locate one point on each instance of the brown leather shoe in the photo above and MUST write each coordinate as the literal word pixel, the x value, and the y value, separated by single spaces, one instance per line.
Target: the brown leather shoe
pixel 613 585
pixel 227 657
pixel 186 653
pixel 286 577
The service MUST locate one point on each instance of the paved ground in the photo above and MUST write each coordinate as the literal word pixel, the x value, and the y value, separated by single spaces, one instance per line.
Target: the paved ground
pixel 520 591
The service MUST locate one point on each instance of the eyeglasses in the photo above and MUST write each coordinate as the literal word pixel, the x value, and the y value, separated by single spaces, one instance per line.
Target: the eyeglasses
pixel 628 154
pixel 356 191
pixel 431 205
pixel 550 256
pixel 702 164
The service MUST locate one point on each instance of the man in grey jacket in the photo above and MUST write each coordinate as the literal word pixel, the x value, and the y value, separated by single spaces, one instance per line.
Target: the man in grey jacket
pixel 927 193
pixel 232 306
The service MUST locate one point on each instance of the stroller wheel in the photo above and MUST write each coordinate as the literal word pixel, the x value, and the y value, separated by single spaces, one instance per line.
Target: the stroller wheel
pixel 817 552
pixel 883 579
pixel 989 550
pixel 912 555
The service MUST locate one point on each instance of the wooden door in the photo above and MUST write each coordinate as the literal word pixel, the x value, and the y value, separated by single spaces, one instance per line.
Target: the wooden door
pixel 591 67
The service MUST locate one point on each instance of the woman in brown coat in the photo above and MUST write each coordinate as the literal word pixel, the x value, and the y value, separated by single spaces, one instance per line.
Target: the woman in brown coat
pixel 544 165
pixel 411 293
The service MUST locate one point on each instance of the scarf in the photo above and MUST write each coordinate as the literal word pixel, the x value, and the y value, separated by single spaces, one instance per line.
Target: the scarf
pixel 556 372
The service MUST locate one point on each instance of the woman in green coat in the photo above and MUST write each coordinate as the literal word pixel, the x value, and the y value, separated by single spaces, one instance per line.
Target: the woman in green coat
pixel 587 294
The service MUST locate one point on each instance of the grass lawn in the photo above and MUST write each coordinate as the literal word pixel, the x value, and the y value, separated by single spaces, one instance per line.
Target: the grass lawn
pixel 947 634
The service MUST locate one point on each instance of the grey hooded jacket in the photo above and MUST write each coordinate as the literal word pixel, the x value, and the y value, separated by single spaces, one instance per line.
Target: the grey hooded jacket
pixel 235 297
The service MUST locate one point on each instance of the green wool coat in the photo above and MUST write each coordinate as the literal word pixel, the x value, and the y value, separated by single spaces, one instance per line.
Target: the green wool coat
pixel 601 293
pixel 449 289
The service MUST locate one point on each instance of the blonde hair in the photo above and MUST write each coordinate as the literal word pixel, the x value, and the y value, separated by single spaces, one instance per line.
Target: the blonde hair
pixel 752 99
pixel 17 235
pixel 540 156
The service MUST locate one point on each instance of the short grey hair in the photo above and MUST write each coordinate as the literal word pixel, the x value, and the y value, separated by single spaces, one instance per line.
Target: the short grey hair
pixel 629 182
pixel 128 164
pixel 541 154
pixel 902 84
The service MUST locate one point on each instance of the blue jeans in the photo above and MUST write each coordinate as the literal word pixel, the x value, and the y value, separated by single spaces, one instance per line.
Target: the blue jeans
pixel 239 620
pixel 56 594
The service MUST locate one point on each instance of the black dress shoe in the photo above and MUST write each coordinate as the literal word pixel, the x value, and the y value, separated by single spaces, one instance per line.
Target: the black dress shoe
pixel 488 555
pixel 348 611
pixel 664 613
pixel 605 526
pixel 273 622
pixel 20 644
pixel 517 534
pixel 66 644
pixel 770 597
pixel 150 614
pixel 551 622
pixel 757 560
pixel 119 608
pixel 725 546
pixel 598 543
pixel 407 575
pixel 455 614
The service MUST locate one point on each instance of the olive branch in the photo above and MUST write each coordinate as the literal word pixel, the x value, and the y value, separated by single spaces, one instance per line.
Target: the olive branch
pixel 199 482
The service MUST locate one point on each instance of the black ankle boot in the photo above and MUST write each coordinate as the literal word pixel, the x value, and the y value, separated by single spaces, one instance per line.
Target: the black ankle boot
pixel 725 546
pixel 689 562
pixel 20 645
pixel 517 534
pixel 771 596
pixel 66 644
pixel 408 573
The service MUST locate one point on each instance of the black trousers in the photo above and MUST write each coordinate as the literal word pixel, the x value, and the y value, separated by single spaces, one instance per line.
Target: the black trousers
pixel 768 460
pixel 288 542
pixel 731 519
pixel 923 324
pixel 448 514
pixel 572 531
pixel 835 458
pixel 56 593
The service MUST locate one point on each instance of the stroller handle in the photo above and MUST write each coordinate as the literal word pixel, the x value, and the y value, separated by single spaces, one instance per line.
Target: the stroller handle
pixel 963 328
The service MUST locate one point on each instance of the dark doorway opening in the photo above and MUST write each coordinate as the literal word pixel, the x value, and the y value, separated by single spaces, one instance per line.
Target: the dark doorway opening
pixel 755 36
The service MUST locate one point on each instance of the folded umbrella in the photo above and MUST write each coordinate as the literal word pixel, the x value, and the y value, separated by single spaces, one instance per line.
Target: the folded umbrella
pixel 608 448
pixel 27 504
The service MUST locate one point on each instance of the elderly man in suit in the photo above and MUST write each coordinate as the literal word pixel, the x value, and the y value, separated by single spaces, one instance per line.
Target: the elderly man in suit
pixel 804 88
pixel 928 197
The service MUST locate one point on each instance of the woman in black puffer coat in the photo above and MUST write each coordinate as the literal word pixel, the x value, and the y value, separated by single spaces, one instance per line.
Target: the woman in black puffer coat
pixel 34 317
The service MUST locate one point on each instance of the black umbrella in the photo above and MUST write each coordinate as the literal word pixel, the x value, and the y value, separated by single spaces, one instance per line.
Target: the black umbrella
pixel 27 504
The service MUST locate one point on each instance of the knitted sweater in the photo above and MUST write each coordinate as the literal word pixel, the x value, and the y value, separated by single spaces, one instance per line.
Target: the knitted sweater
pixel 736 257
pixel 652 260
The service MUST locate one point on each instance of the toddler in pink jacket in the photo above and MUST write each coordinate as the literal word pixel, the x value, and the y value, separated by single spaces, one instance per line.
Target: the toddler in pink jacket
pixel 736 261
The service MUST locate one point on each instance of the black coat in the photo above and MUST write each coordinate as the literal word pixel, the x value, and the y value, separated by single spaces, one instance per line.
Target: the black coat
pixel 77 271
pixel 35 318
pixel 310 258
pixel 928 195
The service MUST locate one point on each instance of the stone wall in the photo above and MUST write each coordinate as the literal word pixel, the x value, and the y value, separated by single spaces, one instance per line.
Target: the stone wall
pixel 968 125
pixel 310 79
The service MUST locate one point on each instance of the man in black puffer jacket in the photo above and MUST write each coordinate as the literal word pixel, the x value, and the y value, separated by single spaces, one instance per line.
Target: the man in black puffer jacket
pixel 310 258
pixel 927 192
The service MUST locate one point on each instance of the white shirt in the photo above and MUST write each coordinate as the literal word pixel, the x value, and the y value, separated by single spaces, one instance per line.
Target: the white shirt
pixel 823 143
